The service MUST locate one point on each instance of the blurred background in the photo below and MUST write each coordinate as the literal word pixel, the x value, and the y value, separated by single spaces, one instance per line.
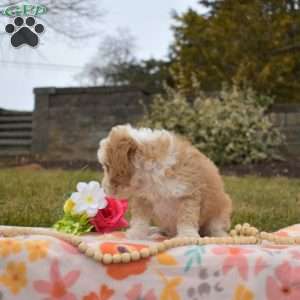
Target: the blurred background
pixel 225 74
pixel 80 35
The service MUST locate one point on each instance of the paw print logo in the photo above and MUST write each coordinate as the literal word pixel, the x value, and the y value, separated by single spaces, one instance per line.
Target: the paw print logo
pixel 24 32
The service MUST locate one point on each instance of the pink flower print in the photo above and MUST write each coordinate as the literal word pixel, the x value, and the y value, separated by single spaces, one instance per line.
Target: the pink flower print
pixel 260 265
pixel 135 293
pixel 235 258
pixel 69 248
pixel 295 254
pixel 57 287
pixel 281 233
pixel 286 283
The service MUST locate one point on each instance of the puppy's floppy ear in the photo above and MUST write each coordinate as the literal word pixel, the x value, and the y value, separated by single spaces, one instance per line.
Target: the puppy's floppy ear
pixel 121 150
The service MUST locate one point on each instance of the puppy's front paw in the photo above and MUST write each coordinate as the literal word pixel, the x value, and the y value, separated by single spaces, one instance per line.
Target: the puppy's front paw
pixel 136 234
pixel 188 232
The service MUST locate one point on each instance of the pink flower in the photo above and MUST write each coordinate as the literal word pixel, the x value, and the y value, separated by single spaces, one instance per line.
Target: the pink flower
pixel 111 217
pixel 57 287
pixel 135 293
pixel 286 284
pixel 235 258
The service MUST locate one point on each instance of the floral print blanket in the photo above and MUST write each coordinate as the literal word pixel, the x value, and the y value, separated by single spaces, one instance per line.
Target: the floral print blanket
pixel 41 267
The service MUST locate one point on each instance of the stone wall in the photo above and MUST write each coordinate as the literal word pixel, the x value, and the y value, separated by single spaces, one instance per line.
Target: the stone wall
pixel 287 118
pixel 69 122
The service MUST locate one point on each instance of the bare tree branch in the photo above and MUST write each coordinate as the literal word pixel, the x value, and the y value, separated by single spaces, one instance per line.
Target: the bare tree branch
pixel 114 52
pixel 290 48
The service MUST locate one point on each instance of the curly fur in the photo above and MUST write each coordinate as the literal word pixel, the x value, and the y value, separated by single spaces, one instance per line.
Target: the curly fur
pixel 166 179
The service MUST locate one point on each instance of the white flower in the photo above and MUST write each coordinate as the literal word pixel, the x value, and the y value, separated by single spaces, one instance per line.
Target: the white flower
pixel 89 198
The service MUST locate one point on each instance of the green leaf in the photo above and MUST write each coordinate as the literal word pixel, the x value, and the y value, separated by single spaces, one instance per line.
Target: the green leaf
pixel 74 224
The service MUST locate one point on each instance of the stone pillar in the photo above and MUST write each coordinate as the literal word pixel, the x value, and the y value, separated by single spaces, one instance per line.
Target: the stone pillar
pixel 40 122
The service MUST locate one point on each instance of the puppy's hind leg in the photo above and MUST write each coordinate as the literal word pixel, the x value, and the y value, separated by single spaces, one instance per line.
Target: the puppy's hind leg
pixel 188 217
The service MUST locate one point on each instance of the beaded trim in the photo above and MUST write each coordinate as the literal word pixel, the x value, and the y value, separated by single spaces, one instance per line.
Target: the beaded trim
pixel 241 234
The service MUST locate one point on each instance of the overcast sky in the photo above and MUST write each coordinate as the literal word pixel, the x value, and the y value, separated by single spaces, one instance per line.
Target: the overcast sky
pixel 148 21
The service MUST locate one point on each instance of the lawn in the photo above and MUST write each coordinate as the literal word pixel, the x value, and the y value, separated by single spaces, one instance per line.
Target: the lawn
pixel 35 198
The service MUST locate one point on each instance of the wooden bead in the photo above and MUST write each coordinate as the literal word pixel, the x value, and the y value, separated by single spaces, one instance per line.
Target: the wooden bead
pixel 98 256
pixel 90 252
pixel 107 258
pixel 194 241
pixel 200 241
pixel 176 242
pixel 233 232
pixel 188 241
pixel 272 238
pixel 263 235
pixel 153 250
pixel 168 243
pixel 247 231
pixel 161 247
pixel 236 240
pixel 229 240
pixel 125 258
pixel 292 240
pixel 223 240
pixel 288 240
pixel 182 242
pixel 135 255
pixel 244 240
pixel 116 258
pixel 75 240
pixel 238 228
pixel 206 240
pixel 145 252
pixel 253 240
pixel 213 240
pixel 82 247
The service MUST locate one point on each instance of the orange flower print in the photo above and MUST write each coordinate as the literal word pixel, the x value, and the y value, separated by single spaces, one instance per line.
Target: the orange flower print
pixel 122 271
pixel 105 293
pixel 57 287
pixel 243 293
pixel 15 277
pixel 235 257
pixel 9 246
pixel 169 292
pixel 37 249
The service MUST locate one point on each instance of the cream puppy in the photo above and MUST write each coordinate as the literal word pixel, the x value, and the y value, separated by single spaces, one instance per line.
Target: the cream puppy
pixel 166 179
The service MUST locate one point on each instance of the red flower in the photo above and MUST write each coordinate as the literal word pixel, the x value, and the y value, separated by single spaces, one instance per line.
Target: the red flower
pixel 111 217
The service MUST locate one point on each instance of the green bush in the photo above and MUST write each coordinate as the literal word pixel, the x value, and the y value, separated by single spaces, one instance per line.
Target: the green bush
pixel 232 128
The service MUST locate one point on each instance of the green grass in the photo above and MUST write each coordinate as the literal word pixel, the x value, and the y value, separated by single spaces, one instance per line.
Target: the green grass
pixel 35 198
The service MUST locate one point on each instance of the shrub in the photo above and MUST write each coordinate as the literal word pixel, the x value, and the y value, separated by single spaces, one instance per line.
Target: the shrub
pixel 232 128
